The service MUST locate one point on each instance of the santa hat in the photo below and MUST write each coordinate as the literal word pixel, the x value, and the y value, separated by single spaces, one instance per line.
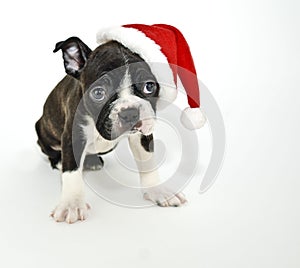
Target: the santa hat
pixel 166 51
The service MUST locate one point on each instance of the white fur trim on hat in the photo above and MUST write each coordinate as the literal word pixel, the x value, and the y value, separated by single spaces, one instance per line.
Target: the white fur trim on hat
pixel 139 43
pixel 192 118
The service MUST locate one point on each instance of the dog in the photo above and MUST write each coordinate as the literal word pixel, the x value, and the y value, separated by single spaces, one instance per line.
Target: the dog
pixel 108 94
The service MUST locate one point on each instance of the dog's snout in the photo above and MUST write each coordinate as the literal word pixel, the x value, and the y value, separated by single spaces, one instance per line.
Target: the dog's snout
pixel 129 116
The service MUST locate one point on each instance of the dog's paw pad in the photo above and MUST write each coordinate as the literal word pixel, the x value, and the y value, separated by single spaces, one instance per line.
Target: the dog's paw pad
pixel 165 198
pixel 70 212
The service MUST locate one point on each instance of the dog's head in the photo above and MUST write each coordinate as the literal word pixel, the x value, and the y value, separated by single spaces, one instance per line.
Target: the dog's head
pixel 119 90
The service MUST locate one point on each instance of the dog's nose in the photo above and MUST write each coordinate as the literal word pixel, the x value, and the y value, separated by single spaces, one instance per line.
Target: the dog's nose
pixel 129 116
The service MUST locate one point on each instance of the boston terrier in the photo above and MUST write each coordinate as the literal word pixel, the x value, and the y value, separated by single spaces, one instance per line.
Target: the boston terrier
pixel 107 94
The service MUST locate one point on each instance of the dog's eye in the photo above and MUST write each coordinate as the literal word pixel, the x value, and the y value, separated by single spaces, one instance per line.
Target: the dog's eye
pixel 149 88
pixel 98 94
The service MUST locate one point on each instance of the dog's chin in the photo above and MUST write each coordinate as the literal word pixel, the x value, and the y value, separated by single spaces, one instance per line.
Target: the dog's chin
pixel 145 127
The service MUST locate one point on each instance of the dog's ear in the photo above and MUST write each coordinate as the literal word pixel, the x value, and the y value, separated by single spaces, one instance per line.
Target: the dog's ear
pixel 75 55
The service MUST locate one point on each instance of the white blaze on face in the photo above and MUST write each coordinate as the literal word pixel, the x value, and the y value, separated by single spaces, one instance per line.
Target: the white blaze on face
pixel 125 86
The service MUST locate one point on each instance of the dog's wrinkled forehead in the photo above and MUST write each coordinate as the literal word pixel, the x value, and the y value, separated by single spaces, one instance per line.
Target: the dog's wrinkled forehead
pixel 112 60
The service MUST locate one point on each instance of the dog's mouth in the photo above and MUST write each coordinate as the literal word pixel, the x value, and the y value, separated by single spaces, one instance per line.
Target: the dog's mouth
pixel 111 131
pixel 143 126
pixel 131 127
pixel 126 121
pixel 137 126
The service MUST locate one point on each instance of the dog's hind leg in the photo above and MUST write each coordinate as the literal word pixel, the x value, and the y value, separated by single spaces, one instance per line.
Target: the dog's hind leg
pixel 44 141
pixel 93 162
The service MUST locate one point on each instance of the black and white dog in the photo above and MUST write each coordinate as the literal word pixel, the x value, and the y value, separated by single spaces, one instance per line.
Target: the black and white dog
pixel 107 94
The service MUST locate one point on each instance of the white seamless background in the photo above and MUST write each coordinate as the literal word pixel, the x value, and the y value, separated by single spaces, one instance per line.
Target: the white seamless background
pixel 248 55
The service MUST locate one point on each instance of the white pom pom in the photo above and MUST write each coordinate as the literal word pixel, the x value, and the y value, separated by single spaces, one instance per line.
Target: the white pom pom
pixel 192 118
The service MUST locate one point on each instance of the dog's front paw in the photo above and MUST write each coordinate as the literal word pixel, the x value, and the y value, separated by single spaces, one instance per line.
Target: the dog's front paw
pixel 164 197
pixel 70 211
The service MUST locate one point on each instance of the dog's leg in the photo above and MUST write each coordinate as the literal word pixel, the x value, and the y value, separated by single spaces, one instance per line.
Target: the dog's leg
pixel 44 139
pixel 93 162
pixel 72 205
pixel 142 149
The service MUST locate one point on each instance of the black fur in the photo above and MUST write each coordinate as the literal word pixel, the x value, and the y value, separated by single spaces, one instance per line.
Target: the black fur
pixel 147 143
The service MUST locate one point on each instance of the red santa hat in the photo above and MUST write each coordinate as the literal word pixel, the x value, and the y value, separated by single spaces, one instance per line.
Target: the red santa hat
pixel 166 51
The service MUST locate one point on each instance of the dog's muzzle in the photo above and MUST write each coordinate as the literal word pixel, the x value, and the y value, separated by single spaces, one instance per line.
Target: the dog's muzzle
pixel 129 119
pixel 129 116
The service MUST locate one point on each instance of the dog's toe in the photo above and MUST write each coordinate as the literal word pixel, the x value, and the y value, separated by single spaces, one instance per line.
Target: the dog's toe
pixel 70 212
pixel 174 201
pixel 164 198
